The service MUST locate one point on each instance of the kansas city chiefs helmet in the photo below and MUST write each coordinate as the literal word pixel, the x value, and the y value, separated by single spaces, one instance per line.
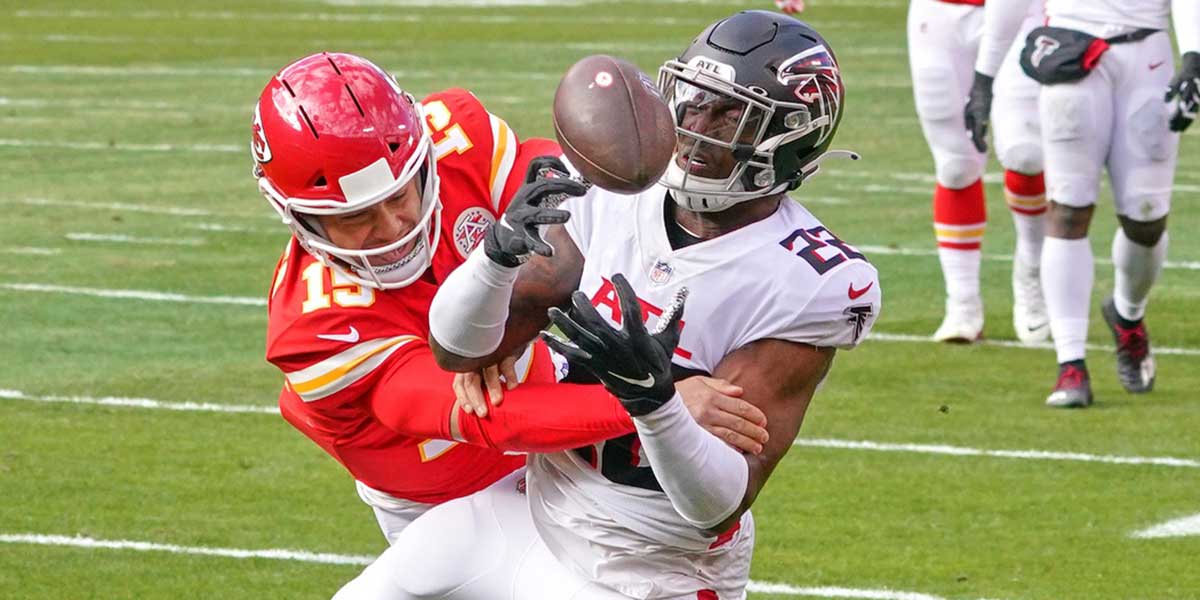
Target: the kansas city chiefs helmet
pixel 783 78
pixel 334 134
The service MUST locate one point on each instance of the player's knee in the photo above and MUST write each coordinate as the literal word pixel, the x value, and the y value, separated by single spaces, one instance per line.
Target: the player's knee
pixel 1023 158
pixel 1143 233
pixel 958 172
pixel 1068 222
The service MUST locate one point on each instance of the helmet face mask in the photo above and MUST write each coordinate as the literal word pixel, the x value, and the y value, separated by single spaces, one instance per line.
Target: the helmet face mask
pixel 782 80
pixel 353 139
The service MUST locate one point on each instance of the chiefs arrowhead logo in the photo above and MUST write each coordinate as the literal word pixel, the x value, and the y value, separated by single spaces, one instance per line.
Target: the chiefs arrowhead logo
pixel 258 140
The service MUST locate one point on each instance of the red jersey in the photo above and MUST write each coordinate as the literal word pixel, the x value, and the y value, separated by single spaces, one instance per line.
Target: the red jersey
pixel 360 378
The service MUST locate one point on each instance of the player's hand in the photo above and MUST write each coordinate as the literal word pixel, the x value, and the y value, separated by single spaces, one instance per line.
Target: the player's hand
pixel 791 7
pixel 469 387
pixel 718 407
pixel 1184 89
pixel 511 239
pixel 634 364
pixel 978 112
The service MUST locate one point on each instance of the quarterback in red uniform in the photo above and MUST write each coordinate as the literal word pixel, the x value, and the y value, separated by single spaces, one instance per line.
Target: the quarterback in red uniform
pixel 385 196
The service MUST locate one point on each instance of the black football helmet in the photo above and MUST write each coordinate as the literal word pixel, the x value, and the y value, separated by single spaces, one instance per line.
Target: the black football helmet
pixel 783 79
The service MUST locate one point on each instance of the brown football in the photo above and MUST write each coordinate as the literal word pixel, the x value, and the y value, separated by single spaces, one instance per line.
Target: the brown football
pixel 613 125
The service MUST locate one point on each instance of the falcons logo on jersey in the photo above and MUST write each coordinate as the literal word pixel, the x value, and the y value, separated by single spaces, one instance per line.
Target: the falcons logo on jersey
pixel 858 315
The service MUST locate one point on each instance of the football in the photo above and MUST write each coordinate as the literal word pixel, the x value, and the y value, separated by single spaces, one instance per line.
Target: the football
pixel 613 124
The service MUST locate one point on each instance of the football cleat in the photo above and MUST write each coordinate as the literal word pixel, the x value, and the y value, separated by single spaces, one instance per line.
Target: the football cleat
pixel 963 323
pixel 1073 388
pixel 1135 362
pixel 1030 319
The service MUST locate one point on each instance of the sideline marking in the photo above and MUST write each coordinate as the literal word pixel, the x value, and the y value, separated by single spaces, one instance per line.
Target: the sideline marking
pixel 83 236
pixel 80 541
pixel 1186 526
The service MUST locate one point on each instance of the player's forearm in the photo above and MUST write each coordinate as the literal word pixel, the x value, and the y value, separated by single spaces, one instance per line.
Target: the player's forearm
pixel 1001 21
pixel 468 314
pixel 705 479
pixel 545 417
pixel 1186 16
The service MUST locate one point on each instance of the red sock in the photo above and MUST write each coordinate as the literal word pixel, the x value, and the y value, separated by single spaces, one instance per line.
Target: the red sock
pixel 1025 194
pixel 959 216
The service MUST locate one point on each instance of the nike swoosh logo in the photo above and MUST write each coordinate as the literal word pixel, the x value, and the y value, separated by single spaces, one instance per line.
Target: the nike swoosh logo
pixel 648 382
pixel 1156 65
pixel 856 294
pixel 349 337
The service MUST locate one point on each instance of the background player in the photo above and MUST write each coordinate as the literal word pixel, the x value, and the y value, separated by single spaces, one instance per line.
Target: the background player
pixel 1114 117
pixel 943 40
pixel 385 197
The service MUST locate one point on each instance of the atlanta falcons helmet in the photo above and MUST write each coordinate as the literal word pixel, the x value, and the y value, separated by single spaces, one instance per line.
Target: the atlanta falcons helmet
pixel 784 79
pixel 334 134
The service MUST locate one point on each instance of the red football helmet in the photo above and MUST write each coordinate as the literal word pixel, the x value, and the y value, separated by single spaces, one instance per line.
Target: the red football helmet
pixel 335 134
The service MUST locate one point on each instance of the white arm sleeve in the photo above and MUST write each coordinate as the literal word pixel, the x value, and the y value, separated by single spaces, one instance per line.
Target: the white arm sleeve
pixel 1186 16
pixel 703 477
pixel 469 311
pixel 1001 21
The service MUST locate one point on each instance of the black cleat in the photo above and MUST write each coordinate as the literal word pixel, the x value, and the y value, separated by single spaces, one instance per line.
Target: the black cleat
pixel 1135 362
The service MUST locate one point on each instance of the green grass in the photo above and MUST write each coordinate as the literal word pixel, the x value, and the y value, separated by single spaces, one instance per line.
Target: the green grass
pixel 124 73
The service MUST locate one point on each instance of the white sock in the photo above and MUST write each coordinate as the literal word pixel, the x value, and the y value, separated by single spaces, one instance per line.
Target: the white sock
pixel 960 268
pixel 1031 231
pixel 1135 269
pixel 1067 276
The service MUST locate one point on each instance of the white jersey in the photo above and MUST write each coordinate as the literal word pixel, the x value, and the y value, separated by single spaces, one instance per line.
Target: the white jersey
pixel 600 509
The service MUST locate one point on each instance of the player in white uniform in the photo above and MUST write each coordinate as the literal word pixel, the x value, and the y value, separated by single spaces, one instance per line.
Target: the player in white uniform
pixel 948 62
pixel 1114 117
pixel 661 514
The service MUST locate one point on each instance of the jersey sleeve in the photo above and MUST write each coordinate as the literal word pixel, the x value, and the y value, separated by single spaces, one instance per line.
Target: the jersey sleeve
pixel 415 397
pixel 839 313
pixel 584 217
pixel 1001 21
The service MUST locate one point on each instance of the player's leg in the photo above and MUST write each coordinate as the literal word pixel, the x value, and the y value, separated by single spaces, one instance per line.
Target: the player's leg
pixel 1017 136
pixel 1142 168
pixel 942 43
pixel 1076 120
pixel 393 514
pixel 464 549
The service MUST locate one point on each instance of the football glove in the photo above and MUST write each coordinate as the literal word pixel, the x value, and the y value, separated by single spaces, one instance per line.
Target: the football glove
pixel 1184 89
pixel 511 239
pixel 978 112
pixel 634 364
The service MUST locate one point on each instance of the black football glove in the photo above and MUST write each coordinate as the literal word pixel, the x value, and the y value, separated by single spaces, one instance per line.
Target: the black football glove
pixel 1185 90
pixel 978 112
pixel 510 240
pixel 634 364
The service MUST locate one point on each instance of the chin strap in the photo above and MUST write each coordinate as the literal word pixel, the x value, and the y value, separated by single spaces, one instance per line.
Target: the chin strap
pixel 814 166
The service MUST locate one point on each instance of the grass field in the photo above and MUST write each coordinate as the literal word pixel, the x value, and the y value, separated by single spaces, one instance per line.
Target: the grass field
pixel 137 251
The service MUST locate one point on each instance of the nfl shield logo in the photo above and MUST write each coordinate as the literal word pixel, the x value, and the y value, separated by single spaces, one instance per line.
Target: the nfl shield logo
pixel 661 272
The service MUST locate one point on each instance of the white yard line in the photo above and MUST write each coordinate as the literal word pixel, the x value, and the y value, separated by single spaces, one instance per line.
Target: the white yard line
pixel 83 236
pixel 1187 526
pixel 141 403
pixel 68 145
pixel 133 294
pixel 31 250
pixel 1189 265
pixel 249 301
pixel 1162 461
pixel 80 541
pixel 836 444
pixel 351 17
